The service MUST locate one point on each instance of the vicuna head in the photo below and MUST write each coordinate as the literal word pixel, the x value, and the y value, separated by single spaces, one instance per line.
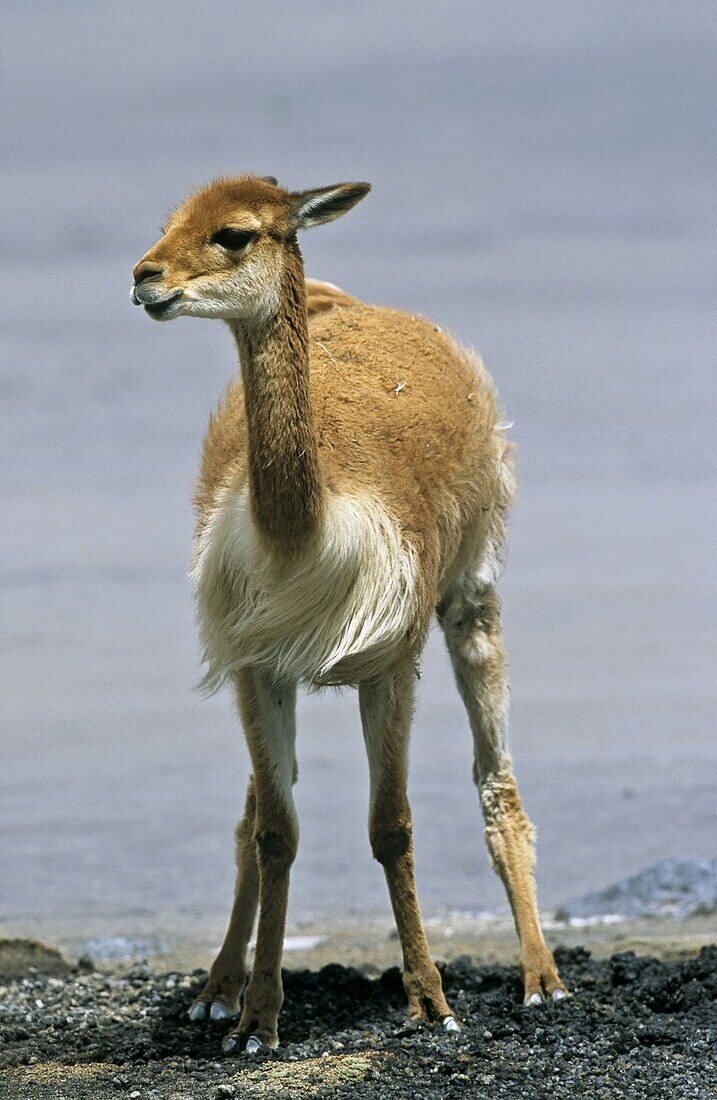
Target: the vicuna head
pixel 224 252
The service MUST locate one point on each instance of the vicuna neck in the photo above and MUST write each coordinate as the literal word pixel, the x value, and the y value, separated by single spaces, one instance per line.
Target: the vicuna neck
pixel 285 483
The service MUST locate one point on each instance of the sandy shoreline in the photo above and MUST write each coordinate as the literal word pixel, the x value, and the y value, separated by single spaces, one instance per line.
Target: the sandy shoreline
pixel 368 942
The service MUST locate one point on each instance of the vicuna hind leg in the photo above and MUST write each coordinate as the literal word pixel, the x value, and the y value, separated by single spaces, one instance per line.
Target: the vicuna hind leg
pixel 220 996
pixel 386 706
pixel 268 715
pixel 470 617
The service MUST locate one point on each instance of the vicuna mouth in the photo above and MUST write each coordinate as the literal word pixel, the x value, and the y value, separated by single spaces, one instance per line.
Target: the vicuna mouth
pixel 164 306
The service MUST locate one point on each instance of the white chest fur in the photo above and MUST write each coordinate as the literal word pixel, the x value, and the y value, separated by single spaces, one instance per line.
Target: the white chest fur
pixel 337 615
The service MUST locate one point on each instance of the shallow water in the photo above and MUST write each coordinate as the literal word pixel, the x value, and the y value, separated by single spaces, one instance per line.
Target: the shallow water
pixel 541 187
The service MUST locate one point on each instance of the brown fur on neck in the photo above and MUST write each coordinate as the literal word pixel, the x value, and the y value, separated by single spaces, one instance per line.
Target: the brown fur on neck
pixel 285 484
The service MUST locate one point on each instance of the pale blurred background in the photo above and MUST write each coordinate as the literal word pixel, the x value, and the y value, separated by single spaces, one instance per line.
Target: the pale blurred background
pixel 543 186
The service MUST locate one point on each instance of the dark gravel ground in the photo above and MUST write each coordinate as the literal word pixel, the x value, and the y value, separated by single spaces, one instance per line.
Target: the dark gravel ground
pixel 634 1027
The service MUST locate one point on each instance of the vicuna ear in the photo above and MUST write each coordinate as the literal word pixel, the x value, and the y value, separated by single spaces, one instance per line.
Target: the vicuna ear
pixel 324 203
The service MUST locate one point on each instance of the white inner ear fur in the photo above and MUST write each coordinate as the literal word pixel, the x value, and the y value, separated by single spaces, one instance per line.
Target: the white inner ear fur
pixel 339 614
pixel 312 210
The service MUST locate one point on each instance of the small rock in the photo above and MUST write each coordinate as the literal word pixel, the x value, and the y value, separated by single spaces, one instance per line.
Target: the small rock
pixel 22 957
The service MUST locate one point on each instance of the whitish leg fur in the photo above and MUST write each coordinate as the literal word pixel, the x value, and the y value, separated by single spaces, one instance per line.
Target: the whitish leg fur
pixel 470 617
pixel 268 714
pixel 386 706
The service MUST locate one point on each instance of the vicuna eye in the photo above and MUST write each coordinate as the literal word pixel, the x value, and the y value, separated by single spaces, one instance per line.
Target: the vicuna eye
pixel 234 239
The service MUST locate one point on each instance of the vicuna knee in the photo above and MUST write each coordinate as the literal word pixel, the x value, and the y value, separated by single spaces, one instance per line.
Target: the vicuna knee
pixel 470 618
pixel 276 849
pixel 388 845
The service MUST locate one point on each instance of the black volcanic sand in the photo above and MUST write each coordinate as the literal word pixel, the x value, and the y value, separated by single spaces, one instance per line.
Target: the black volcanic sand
pixel 634 1027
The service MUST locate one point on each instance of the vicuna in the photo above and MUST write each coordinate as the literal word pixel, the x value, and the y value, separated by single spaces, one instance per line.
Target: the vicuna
pixel 354 480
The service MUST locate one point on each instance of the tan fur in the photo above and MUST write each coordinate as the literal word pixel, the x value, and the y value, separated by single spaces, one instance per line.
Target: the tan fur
pixel 402 414
pixel 353 479
pixel 228 973
pixel 321 297
pixel 385 715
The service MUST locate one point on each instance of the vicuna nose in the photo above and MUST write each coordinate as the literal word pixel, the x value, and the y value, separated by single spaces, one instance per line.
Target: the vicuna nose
pixel 144 272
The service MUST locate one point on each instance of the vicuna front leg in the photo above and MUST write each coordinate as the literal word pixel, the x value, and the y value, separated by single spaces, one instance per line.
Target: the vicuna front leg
pixel 268 714
pixel 220 996
pixel 470 617
pixel 386 706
